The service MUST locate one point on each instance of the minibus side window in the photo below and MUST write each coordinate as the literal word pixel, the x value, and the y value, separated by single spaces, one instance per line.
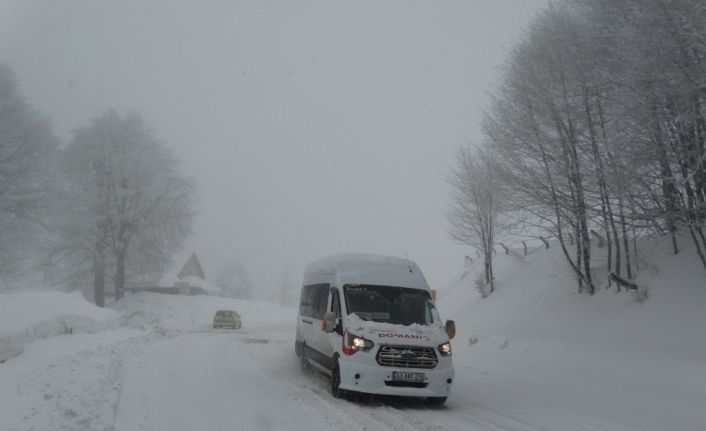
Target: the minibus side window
pixel 320 301
pixel 307 300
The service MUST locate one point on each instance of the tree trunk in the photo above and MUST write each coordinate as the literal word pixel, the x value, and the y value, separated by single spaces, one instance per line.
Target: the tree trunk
pixel 99 277
pixel 690 208
pixel 490 273
pixel 601 173
pixel 608 243
pixel 669 191
pixel 699 252
pixel 120 274
pixel 626 243
pixel 568 141
pixel 608 207
pixel 579 250
pixel 634 247
pixel 583 228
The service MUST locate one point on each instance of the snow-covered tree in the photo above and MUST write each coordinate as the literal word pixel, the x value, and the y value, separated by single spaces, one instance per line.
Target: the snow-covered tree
pixel 27 155
pixel 477 206
pixel 127 204
pixel 598 125
pixel 538 130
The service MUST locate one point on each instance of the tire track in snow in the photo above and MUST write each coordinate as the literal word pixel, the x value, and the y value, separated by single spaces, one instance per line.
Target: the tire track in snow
pixel 368 413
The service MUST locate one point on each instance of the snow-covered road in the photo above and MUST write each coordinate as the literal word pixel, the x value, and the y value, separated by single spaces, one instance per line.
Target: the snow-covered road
pixel 201 379
pixel 250 380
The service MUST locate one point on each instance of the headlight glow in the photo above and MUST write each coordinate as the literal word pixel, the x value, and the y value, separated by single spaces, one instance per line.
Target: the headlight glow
pixel 353 343
pixel 445 349
pixel 358 343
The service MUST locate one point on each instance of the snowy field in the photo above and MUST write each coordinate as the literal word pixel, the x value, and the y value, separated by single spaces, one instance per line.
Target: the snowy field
pixel 532 356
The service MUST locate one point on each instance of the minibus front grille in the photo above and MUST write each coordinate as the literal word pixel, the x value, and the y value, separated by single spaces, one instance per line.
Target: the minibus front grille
pixel 406 356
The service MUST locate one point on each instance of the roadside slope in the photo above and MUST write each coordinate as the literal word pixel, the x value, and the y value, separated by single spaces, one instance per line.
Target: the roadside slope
pixel 537 349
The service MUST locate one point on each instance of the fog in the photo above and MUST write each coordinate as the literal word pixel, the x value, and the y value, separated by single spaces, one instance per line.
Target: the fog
pixel 311 128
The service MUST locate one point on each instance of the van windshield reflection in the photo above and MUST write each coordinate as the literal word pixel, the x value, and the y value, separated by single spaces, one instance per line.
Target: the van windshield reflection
pixel 389 304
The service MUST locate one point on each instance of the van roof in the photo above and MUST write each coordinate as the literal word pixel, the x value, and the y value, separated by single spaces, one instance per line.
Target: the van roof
pixel 369 269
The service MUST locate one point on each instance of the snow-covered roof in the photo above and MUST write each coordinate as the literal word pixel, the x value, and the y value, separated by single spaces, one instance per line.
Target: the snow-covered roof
pixel 369 269
pixel 188 269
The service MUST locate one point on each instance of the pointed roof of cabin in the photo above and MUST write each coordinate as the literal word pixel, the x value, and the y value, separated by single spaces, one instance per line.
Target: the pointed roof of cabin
pixel 192 268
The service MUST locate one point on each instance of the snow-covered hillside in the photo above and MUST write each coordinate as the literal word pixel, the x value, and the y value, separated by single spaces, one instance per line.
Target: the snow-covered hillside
pixel 537 350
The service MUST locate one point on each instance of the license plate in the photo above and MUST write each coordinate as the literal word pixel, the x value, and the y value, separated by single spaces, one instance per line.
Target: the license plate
pixel 406 376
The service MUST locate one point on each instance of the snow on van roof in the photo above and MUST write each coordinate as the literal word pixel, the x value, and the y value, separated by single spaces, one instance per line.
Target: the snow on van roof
pixel 369 269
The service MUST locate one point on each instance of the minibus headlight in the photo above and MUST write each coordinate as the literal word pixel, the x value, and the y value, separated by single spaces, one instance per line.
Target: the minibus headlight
pixel 445 349
pixel 358 342
pixel 353 343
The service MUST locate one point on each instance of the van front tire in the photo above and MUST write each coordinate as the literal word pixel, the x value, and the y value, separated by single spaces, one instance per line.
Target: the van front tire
pixel 304 358
pixel 336 390
pixel 436 401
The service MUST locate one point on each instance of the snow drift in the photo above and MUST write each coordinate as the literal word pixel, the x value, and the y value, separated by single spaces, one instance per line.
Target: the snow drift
pixel 28 316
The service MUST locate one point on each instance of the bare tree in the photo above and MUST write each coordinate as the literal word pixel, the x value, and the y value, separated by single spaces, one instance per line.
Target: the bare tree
pixel 476 206
pixel 599 124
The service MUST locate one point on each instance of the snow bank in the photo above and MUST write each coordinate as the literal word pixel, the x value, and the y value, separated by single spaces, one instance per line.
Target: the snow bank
pixel 146 310
pixel 28 316
pixel 614 359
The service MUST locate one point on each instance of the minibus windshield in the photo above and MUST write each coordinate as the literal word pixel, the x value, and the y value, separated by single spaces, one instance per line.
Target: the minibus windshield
pixel 388 304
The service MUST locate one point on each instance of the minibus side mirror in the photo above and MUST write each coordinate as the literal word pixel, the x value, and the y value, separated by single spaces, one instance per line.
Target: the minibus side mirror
pixel 328 324
pixel 339 326
pixel 450 328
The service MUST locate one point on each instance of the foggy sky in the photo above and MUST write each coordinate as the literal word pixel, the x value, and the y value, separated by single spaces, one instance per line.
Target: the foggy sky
pixel 311 128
